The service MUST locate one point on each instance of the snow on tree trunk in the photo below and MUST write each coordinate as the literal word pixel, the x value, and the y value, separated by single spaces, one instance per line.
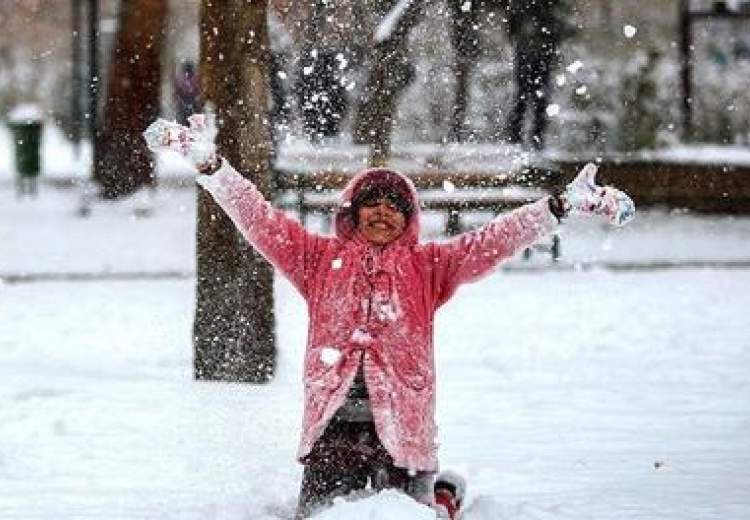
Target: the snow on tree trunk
pixel 123 162
pixel 234 336
pixel 388 25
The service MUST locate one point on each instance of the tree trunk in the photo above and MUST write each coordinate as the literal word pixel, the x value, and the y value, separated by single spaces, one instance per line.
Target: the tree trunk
pixel 390 73
pixel 461 69
pixel 234 337
pixel 133 98
pixel 466 49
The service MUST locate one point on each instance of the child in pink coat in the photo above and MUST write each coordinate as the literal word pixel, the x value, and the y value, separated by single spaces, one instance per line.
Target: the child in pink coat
pixel 372 290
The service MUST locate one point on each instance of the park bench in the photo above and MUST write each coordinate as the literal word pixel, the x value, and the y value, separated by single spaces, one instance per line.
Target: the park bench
pixel 319 195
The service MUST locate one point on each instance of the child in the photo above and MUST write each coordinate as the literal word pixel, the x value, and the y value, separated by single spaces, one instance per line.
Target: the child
pixel 372 291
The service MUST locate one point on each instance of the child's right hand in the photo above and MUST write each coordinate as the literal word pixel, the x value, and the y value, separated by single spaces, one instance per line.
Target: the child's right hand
pixel 194 143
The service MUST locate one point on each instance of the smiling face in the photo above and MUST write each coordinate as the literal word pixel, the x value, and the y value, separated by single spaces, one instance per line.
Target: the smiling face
pixel 380 221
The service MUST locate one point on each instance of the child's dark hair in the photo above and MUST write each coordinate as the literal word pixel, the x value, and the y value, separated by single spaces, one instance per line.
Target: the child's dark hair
pixel 376 192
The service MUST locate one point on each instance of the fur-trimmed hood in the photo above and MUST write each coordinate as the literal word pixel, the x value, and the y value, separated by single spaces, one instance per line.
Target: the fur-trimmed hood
pixel 397 182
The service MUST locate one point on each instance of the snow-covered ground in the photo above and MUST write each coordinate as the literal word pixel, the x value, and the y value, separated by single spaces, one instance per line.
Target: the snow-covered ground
pixel 561 395
pixel 563 392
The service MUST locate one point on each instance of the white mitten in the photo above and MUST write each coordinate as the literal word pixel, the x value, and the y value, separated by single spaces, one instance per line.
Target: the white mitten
pixel 584 197
pixel 194 143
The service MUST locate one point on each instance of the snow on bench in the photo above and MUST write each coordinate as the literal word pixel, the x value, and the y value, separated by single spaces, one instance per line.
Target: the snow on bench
pixel 454 202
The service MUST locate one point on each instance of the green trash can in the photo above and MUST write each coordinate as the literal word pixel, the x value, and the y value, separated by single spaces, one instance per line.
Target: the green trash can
pixel 25 124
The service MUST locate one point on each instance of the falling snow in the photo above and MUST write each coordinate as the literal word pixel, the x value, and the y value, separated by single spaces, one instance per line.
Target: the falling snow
pixel 574 67
pixel 390 21
pixel 329 355
pixel 575 389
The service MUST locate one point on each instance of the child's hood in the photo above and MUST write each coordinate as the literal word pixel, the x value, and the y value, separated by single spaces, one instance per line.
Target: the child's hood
pixel 393 180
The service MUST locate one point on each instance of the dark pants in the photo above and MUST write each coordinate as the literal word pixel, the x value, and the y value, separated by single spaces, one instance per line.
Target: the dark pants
pixel 350 457
pixel 532 72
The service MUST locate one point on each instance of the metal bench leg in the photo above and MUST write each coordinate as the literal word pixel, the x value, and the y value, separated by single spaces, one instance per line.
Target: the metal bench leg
pixel 556 249
pixel 302 207
pixel 453 224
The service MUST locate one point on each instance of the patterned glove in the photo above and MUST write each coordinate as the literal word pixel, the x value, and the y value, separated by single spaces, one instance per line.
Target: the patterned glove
pixel 584 197
pixel 194 143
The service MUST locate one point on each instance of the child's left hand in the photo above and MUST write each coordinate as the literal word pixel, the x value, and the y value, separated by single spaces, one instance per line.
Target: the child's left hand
pixel 584 197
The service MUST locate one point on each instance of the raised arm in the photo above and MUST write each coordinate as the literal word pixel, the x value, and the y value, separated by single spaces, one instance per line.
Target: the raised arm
pixel 471 255
pixel 280 239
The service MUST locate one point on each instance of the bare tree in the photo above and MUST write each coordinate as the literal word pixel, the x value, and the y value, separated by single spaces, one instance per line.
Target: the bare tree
pixel 466 48
pixel 133 98
pixel 234 336
pixel 390 72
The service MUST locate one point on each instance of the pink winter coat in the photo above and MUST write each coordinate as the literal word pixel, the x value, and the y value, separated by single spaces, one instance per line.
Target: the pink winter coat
pixel 374 304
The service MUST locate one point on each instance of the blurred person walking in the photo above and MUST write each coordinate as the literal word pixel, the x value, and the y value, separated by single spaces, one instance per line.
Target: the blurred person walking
pixel 536 29
pixel 187 95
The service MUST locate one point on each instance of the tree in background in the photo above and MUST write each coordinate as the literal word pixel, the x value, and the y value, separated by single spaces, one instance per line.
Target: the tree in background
pixel 639 115
pixel 320 92
pixel 390 69
pixel 390 72
pixel 234 338
pixel 466 48
pixel 123 162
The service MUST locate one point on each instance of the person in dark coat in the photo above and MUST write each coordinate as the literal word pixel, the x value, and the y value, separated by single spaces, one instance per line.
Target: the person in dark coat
pixel 536 28
pixel 187 92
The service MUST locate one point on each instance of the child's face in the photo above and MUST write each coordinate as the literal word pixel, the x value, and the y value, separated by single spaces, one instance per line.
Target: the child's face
pixel 380 221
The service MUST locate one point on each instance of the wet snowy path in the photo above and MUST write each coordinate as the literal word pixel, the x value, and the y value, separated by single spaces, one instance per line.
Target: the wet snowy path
pixel 561 395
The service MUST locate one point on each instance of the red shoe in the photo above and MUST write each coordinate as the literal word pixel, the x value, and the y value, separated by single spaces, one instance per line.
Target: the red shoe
pixel 450 489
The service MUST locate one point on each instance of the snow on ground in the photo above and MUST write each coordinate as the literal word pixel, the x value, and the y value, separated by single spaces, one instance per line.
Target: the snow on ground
pixel 58 157
pixel 699 153
pixel 7 165
pixel 562 393
pixel 44 235
pixel 559 395
pixel 383 506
